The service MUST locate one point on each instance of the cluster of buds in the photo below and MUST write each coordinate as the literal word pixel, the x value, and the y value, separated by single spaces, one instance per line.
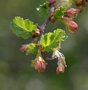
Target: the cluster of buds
pixel 39 63
pixel 61 61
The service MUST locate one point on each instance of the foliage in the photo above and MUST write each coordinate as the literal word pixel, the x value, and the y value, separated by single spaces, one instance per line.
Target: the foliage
pixel 43 10
pixel 52 40
pixel 22 28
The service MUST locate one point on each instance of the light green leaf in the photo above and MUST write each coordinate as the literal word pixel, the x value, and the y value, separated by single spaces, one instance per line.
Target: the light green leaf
pixel 31 49
pixel 52 40
pixel 23 28
pixel 59 12
pixel 43 10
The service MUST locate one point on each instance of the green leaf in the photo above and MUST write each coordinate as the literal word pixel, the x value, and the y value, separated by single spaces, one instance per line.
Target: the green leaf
pixel 23 28
pixel 52 40
pixel 43 10
pixel 32 48
pixel 59 12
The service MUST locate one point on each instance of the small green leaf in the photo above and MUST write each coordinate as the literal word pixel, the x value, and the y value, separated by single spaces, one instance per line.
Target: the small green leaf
pixel 59 12
pixel 52 40
pixel 43 10
pixel 32 48
pixel 23 28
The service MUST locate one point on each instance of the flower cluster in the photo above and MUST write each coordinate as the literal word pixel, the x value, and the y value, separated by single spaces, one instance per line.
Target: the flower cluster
pixel 50 41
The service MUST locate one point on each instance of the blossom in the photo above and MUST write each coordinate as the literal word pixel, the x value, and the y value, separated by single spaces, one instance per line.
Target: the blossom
pixel 23 48
pixel 61 61
pixel 72 26
pixel 39 63
pixel 71 12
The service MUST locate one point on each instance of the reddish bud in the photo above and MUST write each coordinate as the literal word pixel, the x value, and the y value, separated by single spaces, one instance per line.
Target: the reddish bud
pixel 33 34
pixel 40 66
pixel 71 12
pixel 23 48
pixel 72 26
pixel 37 33
pixel 52 1
pixel 52 19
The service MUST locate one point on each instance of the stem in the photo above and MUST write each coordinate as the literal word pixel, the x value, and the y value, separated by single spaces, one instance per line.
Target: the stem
pixel 43 26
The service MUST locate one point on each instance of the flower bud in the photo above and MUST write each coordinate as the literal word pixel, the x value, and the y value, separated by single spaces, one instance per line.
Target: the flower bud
pixel 23 48
pixel 52 1
pixel 40 64
pixel 72 26
pixel 71 12
pixel 36 34
pixel 52 19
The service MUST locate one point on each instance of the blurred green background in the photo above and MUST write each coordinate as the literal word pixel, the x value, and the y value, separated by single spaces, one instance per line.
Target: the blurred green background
pixel 15 70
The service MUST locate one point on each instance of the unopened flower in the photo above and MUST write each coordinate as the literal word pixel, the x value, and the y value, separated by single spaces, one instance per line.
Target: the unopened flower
pixel 71 12
pixel 39 63
pixel 23 48
pixel 72 26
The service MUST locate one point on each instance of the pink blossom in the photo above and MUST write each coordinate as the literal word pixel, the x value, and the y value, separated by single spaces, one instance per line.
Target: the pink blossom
pixel 72 26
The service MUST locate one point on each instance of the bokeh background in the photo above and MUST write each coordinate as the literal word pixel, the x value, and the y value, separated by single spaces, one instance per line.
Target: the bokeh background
pixel 15 70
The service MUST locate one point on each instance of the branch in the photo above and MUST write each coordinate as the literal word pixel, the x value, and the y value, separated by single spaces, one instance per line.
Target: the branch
pixel 43 26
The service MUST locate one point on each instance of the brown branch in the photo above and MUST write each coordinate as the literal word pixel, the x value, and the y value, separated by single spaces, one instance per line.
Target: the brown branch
pixel 43 26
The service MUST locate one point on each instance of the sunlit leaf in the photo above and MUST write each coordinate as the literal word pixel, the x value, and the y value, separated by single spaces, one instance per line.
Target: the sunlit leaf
pixel 23 28
pixel 52 40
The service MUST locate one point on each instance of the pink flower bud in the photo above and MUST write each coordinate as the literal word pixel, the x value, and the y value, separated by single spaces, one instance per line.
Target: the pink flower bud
pixel 23 48
pixel 72 26
pixel 71 12
pixel 40 66
pixel 39 63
